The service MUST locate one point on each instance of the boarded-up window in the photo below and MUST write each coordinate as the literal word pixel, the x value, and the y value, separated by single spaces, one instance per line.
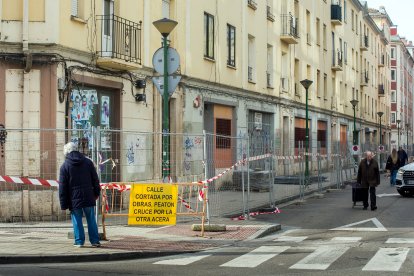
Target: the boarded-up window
pixel 223 128
pixel 322 128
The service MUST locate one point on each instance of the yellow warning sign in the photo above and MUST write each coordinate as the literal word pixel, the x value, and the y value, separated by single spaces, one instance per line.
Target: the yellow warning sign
pixel 153 204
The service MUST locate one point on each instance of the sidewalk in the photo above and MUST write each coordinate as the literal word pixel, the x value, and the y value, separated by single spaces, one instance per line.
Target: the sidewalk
pixel 42 243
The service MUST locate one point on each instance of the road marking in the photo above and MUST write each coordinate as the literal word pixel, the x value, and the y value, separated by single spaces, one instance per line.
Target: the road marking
pixel 379 227
pixel 321 258
pixel 387 259
pixel 382 195
pixel 347 239
pixel 290 239
pixel 256 256
pixel 399 240
pixel 182 261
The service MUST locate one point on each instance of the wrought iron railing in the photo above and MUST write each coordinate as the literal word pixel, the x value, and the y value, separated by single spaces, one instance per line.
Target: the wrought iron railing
pixel 289 25
pixel 336 12
pixel 120 38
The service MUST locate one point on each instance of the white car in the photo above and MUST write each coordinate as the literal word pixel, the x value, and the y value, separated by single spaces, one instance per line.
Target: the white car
pixel 405 180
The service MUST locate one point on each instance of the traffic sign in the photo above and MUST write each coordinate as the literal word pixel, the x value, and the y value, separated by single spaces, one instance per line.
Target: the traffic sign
pixel 355 149
pixel 173 81
pixel 173 60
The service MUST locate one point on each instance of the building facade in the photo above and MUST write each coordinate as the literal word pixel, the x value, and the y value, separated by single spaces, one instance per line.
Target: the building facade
pixel 77 64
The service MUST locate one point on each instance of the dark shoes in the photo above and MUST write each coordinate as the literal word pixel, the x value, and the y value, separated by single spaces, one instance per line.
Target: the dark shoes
pixel 374 208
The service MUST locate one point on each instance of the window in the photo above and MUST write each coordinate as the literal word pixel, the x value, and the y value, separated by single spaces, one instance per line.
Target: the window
pixel 345 52
pixel 325 86
pixel 269 72
pixel 324 37
pixel 393 115
pixel 300 132
pixel 251 74
pixel 318 85
pixel 393 75
pixel 74 8
pixel 208 36
pixel 392 52
pixel 321 136
pixel 318 31
pixel 393 96
pixel 223 128
pixel 345 11
pixel 231 45
pixel 77 10
pixel 353 20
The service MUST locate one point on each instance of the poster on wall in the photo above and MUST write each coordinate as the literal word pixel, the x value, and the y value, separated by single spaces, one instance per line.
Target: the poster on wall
pixel 81 112
pixel 105 110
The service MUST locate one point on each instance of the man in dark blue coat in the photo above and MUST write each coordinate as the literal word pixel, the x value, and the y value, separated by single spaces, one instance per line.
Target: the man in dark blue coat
pixel 78 191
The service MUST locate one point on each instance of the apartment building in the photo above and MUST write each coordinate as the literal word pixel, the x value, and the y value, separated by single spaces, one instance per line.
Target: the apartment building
pixel 77 64
pixel 401 91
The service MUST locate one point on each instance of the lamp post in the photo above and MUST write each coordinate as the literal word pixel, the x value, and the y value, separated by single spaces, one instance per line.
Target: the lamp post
pixel 355 133
pixel 165 26
pixel 306 84
pixel 398 129
pixel 380 113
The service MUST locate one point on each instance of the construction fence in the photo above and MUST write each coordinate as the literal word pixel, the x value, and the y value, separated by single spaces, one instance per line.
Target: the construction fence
pixel 241 174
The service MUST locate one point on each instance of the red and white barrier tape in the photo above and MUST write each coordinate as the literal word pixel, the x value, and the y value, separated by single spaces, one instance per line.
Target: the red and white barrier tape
pixel 29 181
pixel 252 214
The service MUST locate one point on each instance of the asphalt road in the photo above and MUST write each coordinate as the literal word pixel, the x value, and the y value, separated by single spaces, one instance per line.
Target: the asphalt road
pixel 321 236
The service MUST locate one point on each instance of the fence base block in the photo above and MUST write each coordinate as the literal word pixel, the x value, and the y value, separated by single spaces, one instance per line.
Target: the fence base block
pixel 209 227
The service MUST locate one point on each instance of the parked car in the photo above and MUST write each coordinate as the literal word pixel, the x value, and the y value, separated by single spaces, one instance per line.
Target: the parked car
pixel 405 180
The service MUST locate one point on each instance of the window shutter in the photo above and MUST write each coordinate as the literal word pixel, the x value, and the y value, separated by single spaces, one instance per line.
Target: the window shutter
pixel 74 8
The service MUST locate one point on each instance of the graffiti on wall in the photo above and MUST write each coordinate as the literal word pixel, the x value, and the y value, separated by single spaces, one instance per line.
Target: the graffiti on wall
pixel 193 151
pixel 135 153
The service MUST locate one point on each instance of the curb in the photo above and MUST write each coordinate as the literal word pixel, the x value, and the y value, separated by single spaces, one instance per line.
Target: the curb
pixel 31 259
pixel 264 232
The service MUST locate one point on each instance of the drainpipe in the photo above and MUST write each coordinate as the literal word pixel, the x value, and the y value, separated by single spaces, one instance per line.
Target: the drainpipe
pixel 26 88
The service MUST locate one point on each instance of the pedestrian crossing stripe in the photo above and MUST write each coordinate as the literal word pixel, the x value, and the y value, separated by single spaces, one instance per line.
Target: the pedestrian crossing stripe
pixel 399 240
pixel 387 259
pixel 183 261
pixel 349 227
pixel 290 239
pixel 321 258
pixel 257 256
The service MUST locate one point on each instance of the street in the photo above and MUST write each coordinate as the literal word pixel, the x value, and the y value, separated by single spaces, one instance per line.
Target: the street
pixel 321 236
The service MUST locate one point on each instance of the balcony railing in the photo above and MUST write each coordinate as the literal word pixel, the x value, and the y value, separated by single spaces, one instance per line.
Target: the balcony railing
pixel 289 31
pixel 252 4
pixel 336 14
pixel 364 43
pixel 364 78
pixel 120 38
pixel 381 90
pixel 337 62
pixel 270 15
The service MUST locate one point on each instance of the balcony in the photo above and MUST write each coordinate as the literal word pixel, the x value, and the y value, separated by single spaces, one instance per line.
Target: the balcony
pixel 364 78
pixel 364 43
pixel 337 63
pixel 270 15
pixel 381 90
pixel 289 33
pixel 120 47
pixel 336 14
pixel 252 4
pixel 381 62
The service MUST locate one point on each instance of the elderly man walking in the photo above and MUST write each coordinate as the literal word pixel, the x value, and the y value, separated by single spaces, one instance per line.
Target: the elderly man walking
pixel 369 178
pixel 78 191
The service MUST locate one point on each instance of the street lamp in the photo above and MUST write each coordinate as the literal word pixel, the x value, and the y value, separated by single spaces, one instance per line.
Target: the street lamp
pixel 165 26
pixel 380 113
pixel 355 134
pixel 398 128
pixel 306 83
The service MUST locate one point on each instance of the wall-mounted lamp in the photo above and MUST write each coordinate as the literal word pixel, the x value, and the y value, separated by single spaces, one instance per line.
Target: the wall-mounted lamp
pixel 140 84
pixel 140 97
